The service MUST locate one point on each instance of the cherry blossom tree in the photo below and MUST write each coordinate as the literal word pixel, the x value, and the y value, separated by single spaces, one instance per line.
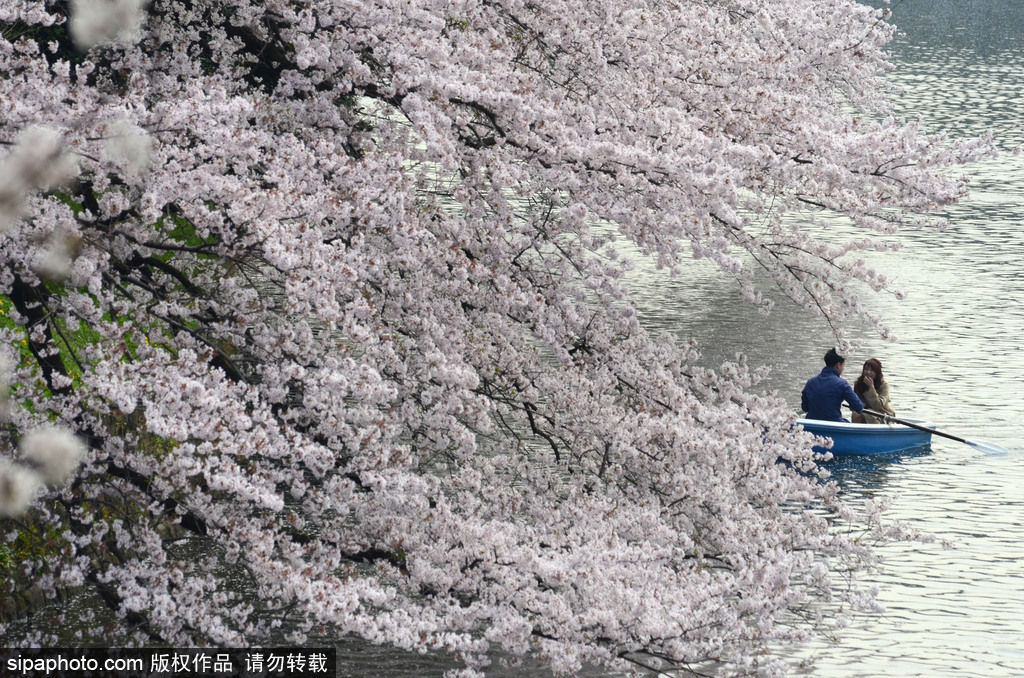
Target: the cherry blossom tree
pixel 332 292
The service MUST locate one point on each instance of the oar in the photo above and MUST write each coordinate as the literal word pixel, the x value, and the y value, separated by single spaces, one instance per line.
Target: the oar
pixel 976 444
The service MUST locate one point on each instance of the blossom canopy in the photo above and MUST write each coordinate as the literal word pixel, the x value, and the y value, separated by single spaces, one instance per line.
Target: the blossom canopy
pixel 333 291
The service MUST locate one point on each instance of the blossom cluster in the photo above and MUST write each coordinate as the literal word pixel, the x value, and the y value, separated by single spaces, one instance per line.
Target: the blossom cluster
pixel 49 457
pixel 50 454
pixel 334 291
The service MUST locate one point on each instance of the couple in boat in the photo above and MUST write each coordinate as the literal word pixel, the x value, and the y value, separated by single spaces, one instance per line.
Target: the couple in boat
pixel 825 393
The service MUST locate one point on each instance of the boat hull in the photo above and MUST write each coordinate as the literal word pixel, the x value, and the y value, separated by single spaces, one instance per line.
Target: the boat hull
pixel 850 438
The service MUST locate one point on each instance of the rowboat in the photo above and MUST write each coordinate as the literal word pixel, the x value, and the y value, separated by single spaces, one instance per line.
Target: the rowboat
pixel 850 438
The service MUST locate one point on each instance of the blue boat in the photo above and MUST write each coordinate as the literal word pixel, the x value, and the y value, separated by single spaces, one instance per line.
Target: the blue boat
pixel 850 438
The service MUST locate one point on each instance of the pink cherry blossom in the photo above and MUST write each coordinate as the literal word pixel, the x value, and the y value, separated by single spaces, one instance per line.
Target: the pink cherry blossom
pixel 333 292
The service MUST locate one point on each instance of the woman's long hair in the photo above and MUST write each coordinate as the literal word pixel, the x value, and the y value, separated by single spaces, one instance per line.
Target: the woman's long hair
pixel 859 386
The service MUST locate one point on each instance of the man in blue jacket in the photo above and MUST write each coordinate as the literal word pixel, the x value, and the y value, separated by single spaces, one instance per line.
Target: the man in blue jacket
pixel 824 394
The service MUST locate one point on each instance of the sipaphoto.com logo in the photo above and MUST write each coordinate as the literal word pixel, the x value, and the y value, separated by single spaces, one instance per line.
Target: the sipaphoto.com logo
pixel 284 662
pixel 60 663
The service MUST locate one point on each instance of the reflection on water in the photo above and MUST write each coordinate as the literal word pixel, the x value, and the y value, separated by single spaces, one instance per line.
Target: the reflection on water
pixel 867 475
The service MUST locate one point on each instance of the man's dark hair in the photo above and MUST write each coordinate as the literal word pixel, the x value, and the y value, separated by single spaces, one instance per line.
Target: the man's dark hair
pixel 832 358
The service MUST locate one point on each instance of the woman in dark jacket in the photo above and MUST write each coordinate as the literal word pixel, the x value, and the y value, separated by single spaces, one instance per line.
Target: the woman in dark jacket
pixel 873 390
